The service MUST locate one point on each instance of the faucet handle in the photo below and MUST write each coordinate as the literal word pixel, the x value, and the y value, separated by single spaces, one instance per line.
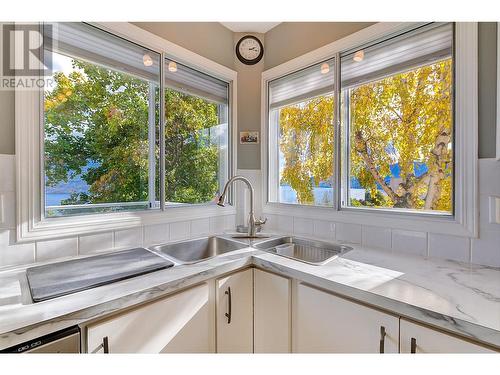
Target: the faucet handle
pixel 260 222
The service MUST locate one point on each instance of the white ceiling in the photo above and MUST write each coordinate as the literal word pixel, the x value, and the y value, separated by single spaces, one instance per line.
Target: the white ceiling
pixel 250 27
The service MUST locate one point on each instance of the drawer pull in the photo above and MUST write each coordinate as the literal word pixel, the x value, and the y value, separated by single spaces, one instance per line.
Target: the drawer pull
pixel 228 314
pixel 103 345
pixel 413 345
pixel 382 339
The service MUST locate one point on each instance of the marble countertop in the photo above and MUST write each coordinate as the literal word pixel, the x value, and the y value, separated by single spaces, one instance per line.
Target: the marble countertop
pixel 452 296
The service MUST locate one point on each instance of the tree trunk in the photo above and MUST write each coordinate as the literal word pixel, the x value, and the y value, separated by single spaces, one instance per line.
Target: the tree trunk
pixel 436 169
pixel 362 149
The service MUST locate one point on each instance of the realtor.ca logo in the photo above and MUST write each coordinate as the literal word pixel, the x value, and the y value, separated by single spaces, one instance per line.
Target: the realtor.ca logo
pixel 24 66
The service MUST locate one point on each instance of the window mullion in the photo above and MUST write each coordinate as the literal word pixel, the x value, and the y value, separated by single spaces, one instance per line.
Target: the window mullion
pixel 162 132
pixel 152 146
pixel 337 139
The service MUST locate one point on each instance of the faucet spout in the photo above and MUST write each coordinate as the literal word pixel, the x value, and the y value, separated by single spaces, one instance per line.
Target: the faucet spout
pixel 252 222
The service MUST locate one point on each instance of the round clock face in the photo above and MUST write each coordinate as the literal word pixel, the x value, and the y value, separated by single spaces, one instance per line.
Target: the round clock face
pixel 249 50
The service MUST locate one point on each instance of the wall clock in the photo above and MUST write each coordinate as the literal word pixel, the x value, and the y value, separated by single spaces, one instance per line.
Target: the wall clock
pixel 249 50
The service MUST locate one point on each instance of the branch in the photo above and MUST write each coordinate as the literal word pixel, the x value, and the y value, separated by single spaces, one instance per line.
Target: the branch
pixel 362 149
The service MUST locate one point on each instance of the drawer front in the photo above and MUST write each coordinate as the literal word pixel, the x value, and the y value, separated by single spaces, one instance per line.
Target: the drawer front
pixel 176 324
pixel 419 339
pixel 325 323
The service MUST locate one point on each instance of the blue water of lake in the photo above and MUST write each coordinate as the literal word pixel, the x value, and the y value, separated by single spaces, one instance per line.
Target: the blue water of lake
pixel 54 199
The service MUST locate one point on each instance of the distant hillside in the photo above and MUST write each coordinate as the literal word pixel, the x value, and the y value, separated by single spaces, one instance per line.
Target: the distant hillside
pixel 74 185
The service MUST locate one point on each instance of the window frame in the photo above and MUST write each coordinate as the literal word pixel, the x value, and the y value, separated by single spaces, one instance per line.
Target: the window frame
pixel 276 151
pixel 498 94
pixel 463 221
pixel 31 223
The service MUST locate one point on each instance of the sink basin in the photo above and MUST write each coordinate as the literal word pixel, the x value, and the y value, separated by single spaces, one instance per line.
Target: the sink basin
pixel 304 250
pixel 193 251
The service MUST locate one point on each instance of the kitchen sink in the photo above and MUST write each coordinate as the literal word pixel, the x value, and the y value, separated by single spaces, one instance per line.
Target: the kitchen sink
pixel 193 251
pixel 304 250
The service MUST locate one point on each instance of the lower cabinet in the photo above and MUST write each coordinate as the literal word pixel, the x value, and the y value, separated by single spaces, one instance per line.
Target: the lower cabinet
pixel 234 311
pixel 325 323
pixel 257 311
pixel 272 313
pixel 419 339
pixel 181 323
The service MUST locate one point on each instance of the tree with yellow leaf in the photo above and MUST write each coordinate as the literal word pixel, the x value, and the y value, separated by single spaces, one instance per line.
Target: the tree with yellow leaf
pixel 306 142
pixel 404 120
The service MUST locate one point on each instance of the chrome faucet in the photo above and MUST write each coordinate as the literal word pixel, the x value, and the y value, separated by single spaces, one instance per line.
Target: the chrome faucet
pixel 253 223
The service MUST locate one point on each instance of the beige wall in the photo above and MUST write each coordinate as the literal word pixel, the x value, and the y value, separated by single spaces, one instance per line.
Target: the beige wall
pixel 249 77
pixel 487 87
pixel 208 39
pixel 292 39
pixel 7 138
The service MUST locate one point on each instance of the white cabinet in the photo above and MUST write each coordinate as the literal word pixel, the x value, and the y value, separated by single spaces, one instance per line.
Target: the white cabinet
pixel 181 323
pixel 419 339
pixel 325 323
pixel 271 313
pixel 234 310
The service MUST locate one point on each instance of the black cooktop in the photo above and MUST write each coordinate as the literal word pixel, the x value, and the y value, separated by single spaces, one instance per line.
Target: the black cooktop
pixel 59 279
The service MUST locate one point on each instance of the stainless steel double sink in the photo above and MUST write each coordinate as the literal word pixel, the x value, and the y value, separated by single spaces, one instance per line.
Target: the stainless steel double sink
pixel 194 251
pixel 304 250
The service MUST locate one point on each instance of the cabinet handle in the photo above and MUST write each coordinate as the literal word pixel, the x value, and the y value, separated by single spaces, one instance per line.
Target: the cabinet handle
pixel 382 339
pixel 228 314
pixel 105 344
pixel 413 345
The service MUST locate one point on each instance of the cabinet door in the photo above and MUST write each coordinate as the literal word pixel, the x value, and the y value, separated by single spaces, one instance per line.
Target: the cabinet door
pixel 176 324
pixel 271 313
pixel 234 309
pixel 428 340
pixel 325 323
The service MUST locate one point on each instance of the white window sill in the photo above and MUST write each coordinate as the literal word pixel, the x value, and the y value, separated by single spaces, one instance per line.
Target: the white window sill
pixel 413 222
pixel 71 226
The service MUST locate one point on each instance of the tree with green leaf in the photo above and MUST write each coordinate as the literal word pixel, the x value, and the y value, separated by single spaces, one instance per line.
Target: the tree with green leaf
pixel 96 127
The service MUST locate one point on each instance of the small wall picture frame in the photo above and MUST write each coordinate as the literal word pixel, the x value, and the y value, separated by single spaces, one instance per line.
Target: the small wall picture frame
pixel 249 138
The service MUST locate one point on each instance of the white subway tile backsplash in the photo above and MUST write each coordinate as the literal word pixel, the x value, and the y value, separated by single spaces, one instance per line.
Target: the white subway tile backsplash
pixel 485 250
pixel 156 234
pixel 12 253
pixel 128 238
pixel 409 242
pixel 93 243
pixel 272 222
pixel 230 222
pixel 489 177
pixel 180 230
pixel 8 207
pixel 324 229
pixel 8 177
pixel 200 227
pixel 54 249
pixel 373 236
pixel 220 224
pixel 449 247
pixel 346 232
pixel 285 224
pixel 303 226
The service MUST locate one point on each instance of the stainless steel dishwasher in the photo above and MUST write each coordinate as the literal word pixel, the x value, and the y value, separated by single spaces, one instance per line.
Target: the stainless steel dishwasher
pixel 64 341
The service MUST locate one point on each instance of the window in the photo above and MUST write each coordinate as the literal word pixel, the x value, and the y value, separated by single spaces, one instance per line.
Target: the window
pixel 102 127
pixel 301 112
pixel 394 143
pixel 196 135
pixel 100 123
pixel 398 122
